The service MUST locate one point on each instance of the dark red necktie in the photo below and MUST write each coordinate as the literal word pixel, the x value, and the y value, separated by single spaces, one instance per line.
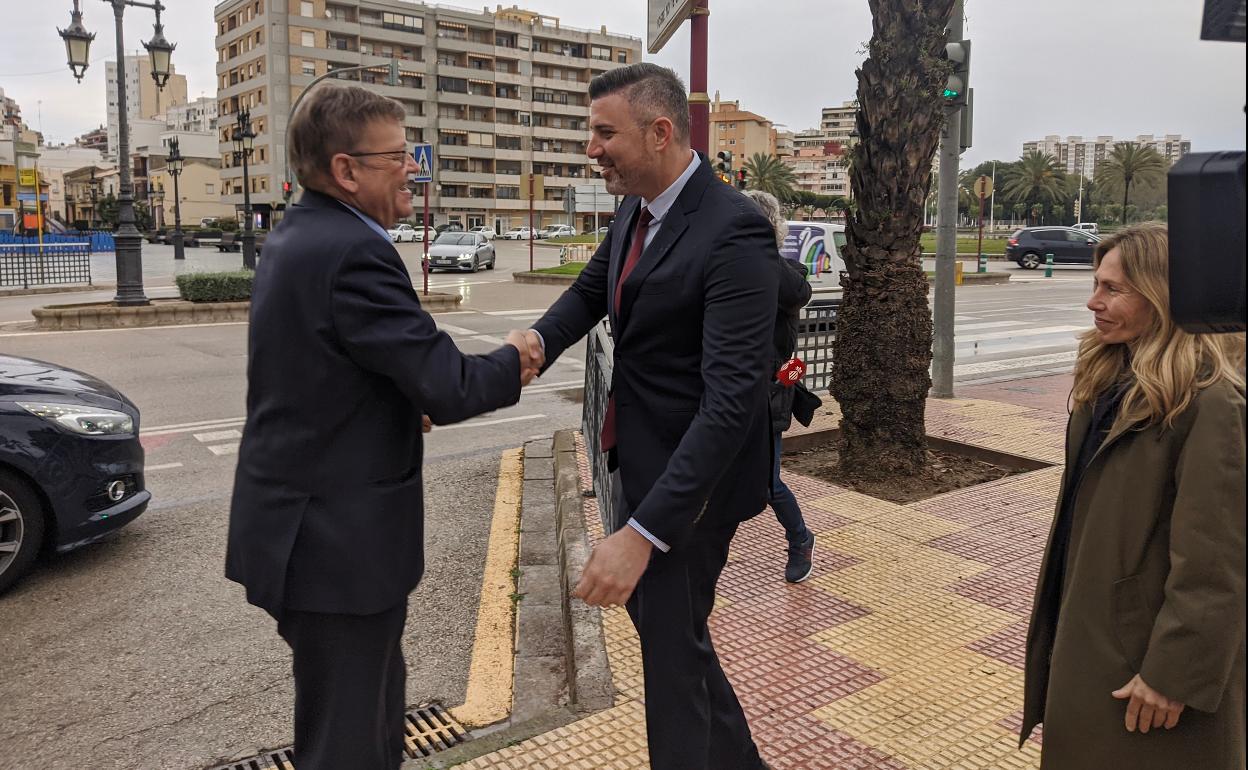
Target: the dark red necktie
pixel 607 438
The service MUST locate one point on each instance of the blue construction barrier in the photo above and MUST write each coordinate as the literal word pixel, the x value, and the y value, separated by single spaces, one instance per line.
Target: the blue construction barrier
pixel 99 239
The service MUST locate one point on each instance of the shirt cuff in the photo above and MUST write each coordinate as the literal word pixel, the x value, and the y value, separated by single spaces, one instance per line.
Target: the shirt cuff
pixel 657 543
pixel 540 339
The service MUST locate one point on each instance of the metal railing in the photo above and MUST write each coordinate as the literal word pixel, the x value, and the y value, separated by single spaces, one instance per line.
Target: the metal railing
pixel 815 334
pixel 29 265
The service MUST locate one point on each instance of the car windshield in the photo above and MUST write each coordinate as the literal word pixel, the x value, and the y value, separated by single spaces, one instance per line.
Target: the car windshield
pixel 456 239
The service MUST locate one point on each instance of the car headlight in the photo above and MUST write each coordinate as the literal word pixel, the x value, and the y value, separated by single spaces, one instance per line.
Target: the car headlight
pixel 85 420
pixel 465 257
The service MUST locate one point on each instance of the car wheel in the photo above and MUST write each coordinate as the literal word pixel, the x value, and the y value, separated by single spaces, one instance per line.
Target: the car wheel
pixel 21 528
pixel 1030 260
pixel 490 266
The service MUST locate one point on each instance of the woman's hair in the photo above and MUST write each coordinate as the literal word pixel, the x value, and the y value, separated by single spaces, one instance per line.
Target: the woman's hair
pixel 773 211
pixel 1165 367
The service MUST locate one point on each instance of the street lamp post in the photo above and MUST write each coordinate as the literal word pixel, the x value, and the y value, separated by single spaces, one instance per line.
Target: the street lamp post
pixel 77 47
pixel 95 203
pixel 174 164
pixel 244 142
pixel 158 201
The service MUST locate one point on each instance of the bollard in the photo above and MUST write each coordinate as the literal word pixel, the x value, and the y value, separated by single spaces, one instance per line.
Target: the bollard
pixel 983 263
pixel 957 273
pixel 1048 265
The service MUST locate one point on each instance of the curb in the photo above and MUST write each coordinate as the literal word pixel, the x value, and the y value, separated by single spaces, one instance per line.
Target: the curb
pixel 68 289
pixel 173 312
pixel 543 278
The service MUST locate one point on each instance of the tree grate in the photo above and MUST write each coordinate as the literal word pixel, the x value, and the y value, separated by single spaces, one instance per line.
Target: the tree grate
pixel 428 729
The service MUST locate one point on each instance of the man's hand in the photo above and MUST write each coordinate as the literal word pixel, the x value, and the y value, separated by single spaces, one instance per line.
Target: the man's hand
pixel 614 568
pixel 426 424
pixel 1147 708
pixel 531 356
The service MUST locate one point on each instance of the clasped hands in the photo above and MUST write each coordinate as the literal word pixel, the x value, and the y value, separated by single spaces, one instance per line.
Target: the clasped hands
pixel 532 356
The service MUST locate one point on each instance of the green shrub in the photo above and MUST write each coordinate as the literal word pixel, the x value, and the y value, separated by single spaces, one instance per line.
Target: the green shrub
pixel 216 287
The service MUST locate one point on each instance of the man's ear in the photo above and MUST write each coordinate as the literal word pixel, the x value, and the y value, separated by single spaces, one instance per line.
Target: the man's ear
pixel 342 173
pixel 664 131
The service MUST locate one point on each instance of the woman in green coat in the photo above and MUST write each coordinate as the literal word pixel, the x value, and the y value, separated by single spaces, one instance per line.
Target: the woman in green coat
pixel 1135 654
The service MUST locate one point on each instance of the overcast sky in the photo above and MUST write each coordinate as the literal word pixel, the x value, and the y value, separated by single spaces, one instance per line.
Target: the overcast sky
pixel 1086 67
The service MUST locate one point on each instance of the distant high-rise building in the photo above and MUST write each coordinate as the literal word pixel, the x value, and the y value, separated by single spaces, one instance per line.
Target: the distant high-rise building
pixel 199 115
pixel 742 133
pixel 498 94
pixel 95 139
pixel 144 101
pixel 1076 154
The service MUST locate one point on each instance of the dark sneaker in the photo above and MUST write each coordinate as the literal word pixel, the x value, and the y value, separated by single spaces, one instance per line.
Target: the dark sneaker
pixel 801 560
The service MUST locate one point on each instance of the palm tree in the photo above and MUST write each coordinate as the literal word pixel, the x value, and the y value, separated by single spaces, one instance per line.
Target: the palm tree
pixel 883 345
pixel 1128 164
pixel 769 174
pixel 1034 178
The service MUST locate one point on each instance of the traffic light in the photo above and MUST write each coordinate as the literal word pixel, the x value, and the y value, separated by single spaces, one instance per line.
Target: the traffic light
pixel 959 55
pixel 724 164
pixel 741 178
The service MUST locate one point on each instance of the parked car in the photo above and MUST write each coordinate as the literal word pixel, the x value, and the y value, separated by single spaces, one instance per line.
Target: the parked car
pixel 461 251
pixel 449 227
pixel 1030 246
pixel 559 231
pixel 71 465
pixel 1088 227
pixel 402 232
pixel 817 245
pixel 487 232
pixel 516 234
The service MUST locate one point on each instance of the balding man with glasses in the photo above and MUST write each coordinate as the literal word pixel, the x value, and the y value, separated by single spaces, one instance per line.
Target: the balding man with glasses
pixel 344 368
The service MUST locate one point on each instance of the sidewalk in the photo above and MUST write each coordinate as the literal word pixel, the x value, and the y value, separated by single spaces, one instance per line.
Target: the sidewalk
pixel 903 650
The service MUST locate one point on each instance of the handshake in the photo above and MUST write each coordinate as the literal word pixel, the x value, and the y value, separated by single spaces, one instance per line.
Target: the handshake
pixel 532 353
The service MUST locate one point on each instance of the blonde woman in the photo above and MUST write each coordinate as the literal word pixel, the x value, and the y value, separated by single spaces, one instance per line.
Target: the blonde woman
pixel 1135 655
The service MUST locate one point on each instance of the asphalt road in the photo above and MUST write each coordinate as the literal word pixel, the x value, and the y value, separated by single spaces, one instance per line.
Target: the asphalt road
pixel 137 653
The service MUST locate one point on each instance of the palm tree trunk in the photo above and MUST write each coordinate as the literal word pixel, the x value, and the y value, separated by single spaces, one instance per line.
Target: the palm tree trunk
pixel 1126 195
pixel 883 345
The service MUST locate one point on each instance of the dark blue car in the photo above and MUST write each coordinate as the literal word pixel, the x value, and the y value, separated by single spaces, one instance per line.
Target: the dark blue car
pixel 71 466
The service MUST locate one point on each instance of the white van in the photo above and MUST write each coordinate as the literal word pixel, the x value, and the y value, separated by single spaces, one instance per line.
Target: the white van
pixel 1087 227
pixel 817 245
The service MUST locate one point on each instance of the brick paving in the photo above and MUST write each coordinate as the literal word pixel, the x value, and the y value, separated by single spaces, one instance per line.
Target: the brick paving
pixel 905 647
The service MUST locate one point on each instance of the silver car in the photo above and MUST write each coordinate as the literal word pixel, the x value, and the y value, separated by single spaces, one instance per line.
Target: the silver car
pixel 461 251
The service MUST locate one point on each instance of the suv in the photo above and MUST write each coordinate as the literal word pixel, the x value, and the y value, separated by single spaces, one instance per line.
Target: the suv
pixel 1030 246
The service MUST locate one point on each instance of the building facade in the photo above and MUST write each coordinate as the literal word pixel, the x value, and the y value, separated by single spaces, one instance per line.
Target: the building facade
pixel 744 134
pixel 837 123
pixel 199 115
pixel 95 139
pixel 144 101
pixel 54 163
pixel 1078 155
pixel 198 188
pixel 84 188
pixel 497 93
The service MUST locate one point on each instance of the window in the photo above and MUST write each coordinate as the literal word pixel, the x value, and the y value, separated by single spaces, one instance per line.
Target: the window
pixel 599 52
pixel 308 39
pixel 402 22
pixel 305 9
pixel 480 140
pixel 622 57
pixel 309 68
pixel 209 188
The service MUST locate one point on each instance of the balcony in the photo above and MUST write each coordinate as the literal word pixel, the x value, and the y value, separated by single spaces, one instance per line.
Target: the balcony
pixel 447 202
pixel 469 46
pixel 466 177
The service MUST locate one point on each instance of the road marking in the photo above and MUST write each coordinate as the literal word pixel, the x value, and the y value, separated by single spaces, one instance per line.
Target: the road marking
pixel 459 312
pixel 488 695
pixel 1005 335
pixel 218 435
pixel 126 329
pixel 488 338
pixel 546 387
pixel 988 325
pixel 224 449
pixel 452 329
pixel 484 423
pixel 188 427
pixel 532 311
pixel 987 367
pixel 165 467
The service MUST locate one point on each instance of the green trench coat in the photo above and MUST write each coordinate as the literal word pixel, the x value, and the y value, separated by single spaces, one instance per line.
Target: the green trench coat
pixel 1154 585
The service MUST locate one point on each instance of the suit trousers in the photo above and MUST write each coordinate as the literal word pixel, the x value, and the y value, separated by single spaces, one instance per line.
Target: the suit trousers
pixel 350 694
pixel 693 718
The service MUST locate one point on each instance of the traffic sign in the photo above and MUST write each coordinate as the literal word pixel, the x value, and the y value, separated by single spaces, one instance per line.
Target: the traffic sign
pixel 983 186
pixel 535 181
pixel 22 196
pixel 423 154
pixel 664 17
pixel 26 177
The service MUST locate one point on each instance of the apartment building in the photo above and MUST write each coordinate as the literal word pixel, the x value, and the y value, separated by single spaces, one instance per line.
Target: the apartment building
pixel 837 123
pixel 819 162
pixel 144 101
pixel 740 132
pixel 199 115
pixel 1076 154
pixel 497 93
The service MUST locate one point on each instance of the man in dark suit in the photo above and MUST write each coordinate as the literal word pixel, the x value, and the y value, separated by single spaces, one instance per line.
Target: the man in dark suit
pixel 326 525
pixel 687 275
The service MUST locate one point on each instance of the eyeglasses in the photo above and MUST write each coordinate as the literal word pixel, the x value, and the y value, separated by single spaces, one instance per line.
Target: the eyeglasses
pixel 394 155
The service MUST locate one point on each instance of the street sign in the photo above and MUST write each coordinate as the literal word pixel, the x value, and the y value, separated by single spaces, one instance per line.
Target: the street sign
pixel 664 17
pixel 539 186
pixel 423 154
pixel 26 177
pixel 983 186
pixel 31 197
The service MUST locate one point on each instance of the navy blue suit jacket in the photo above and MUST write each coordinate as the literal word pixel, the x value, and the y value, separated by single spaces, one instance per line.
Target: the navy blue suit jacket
pixel 327 512
pixel 692 355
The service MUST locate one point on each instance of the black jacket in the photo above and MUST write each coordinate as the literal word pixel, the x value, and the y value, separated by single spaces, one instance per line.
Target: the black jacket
pixel 327 513
pixel 692 351
pixel 793 295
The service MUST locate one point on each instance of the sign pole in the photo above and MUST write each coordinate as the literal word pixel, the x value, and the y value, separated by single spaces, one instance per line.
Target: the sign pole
pixel 979 248
pixel 699 100
pixel 424 240
pixel 531 184
pixel 39 203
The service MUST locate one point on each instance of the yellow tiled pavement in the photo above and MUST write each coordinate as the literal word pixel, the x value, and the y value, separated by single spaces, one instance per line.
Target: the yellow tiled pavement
pixel 936 704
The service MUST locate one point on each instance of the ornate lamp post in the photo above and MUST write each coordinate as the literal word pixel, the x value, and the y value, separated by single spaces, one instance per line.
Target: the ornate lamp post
pixel 174 165
pixel 244 143
pixel 77 48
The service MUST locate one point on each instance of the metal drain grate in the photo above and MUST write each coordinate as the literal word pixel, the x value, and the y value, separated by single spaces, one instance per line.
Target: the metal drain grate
pixel 428 730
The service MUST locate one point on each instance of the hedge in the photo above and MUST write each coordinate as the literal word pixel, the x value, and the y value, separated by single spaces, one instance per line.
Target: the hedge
pixel 216 287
